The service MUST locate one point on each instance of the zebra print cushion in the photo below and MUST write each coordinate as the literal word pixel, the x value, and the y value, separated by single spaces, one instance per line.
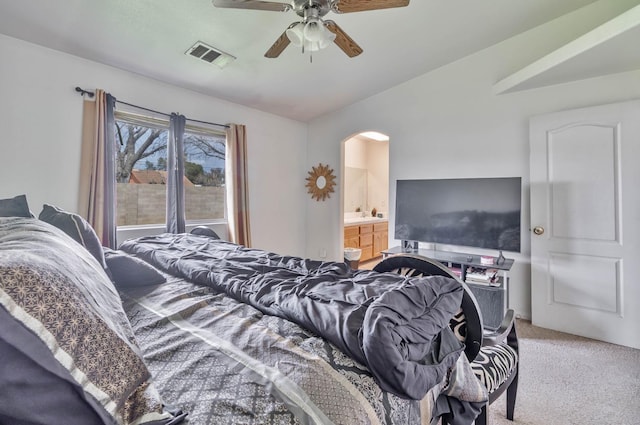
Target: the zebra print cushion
pixel 458 325
pixel 494 365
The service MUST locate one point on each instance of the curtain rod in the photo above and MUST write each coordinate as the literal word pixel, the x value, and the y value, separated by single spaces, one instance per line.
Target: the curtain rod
pixel 91 94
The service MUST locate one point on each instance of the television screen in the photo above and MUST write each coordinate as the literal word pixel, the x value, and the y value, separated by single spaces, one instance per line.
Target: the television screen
pixel 476 212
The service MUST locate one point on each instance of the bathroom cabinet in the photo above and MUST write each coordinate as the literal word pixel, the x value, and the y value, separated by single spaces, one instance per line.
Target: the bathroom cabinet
pixel 371 238
pixel 352 237
pixel 380 238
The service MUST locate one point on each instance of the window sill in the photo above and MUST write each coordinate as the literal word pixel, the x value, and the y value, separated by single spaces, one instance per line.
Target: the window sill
pixel 220 226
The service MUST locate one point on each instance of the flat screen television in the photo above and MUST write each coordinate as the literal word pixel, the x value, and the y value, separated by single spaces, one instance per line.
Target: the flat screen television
pixel 473 212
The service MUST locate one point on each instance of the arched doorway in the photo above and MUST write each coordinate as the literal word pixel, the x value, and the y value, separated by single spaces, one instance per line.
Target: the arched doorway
pixel 366 194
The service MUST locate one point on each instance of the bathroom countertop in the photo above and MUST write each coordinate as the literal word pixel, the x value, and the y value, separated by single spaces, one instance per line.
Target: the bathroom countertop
pixel 363 220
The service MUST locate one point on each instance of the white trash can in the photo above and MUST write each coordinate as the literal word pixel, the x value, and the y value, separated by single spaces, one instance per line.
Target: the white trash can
pixel 352 257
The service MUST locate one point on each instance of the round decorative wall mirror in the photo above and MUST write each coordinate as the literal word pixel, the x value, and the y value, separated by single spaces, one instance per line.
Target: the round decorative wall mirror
pixel 320 182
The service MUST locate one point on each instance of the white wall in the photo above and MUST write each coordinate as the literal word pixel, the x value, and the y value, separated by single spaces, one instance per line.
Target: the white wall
pixel 447 123
pixel 355 153
pixel 40 127
pixel 378 178
pixel 355 176
pixel 372 156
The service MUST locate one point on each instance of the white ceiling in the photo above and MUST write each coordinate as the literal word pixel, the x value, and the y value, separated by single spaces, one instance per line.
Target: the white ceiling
pixel 150 37
pixel 610 47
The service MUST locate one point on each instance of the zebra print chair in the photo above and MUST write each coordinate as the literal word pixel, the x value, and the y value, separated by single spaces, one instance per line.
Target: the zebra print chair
pixel 493 356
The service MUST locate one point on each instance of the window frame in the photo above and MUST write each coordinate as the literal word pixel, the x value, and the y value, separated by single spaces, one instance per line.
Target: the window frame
pixel 162 123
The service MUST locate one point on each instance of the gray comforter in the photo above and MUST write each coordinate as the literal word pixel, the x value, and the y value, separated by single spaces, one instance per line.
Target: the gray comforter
pixel 396 326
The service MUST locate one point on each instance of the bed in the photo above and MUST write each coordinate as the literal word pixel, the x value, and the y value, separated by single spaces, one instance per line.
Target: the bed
pixel 187 328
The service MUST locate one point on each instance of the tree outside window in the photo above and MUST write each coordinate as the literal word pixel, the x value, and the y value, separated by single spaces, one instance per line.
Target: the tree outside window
pixel 141 172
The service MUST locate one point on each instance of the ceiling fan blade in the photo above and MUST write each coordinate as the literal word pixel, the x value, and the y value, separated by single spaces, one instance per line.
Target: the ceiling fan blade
pixel 347 6
pixel 276 48
pixel 253 4
pixel 343 41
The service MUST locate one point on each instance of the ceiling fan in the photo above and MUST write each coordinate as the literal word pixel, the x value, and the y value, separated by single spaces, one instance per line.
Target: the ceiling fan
pixel 313 32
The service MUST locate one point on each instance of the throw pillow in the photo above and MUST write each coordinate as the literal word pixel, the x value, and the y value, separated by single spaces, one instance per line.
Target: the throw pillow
pixel 127 271
pixel 63 325
pixel 204 231
pixel 14 207
pixel 75 226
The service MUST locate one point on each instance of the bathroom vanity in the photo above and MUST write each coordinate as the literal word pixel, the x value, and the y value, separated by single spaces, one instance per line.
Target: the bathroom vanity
pixel 370 234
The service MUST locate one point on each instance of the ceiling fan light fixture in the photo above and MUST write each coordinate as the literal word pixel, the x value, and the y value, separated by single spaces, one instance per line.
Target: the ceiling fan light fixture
pixel 295 34
pixel 312 46
pixel 310 34
pixel 314 30
pixel 329 38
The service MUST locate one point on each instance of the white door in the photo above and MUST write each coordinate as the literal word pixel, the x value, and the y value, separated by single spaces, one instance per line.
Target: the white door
pixel 585 220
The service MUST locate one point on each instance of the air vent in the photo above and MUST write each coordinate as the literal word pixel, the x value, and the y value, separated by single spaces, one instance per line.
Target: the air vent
pixel 209 54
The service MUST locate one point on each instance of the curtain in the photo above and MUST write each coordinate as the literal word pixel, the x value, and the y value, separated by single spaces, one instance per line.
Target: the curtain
pixel 97 200
pixel 236 181
pixel 175 175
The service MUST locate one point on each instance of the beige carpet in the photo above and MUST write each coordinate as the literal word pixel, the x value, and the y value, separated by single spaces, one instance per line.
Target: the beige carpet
pixel 565 380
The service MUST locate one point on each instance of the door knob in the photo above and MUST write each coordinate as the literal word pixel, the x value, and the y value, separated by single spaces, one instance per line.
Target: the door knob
pixel 538 230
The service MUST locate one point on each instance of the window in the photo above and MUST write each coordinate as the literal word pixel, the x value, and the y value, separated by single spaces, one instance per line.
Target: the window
pixel 204 182
pixel 141 171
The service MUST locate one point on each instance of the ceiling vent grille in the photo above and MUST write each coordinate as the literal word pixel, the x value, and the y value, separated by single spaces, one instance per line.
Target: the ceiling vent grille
pixel 210 54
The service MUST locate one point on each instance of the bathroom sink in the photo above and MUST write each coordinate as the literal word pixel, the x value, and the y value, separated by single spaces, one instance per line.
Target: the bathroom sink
pixel 359 220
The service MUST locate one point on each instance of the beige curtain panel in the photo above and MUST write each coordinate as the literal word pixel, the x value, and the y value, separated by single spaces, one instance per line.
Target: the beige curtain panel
pixel 96 201
pixel 237 185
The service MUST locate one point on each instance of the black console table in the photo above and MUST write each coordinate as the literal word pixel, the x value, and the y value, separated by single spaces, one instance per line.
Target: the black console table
pixel 492 295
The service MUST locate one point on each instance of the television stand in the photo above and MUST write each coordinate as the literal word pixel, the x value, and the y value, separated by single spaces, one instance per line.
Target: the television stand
pixel 489 283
